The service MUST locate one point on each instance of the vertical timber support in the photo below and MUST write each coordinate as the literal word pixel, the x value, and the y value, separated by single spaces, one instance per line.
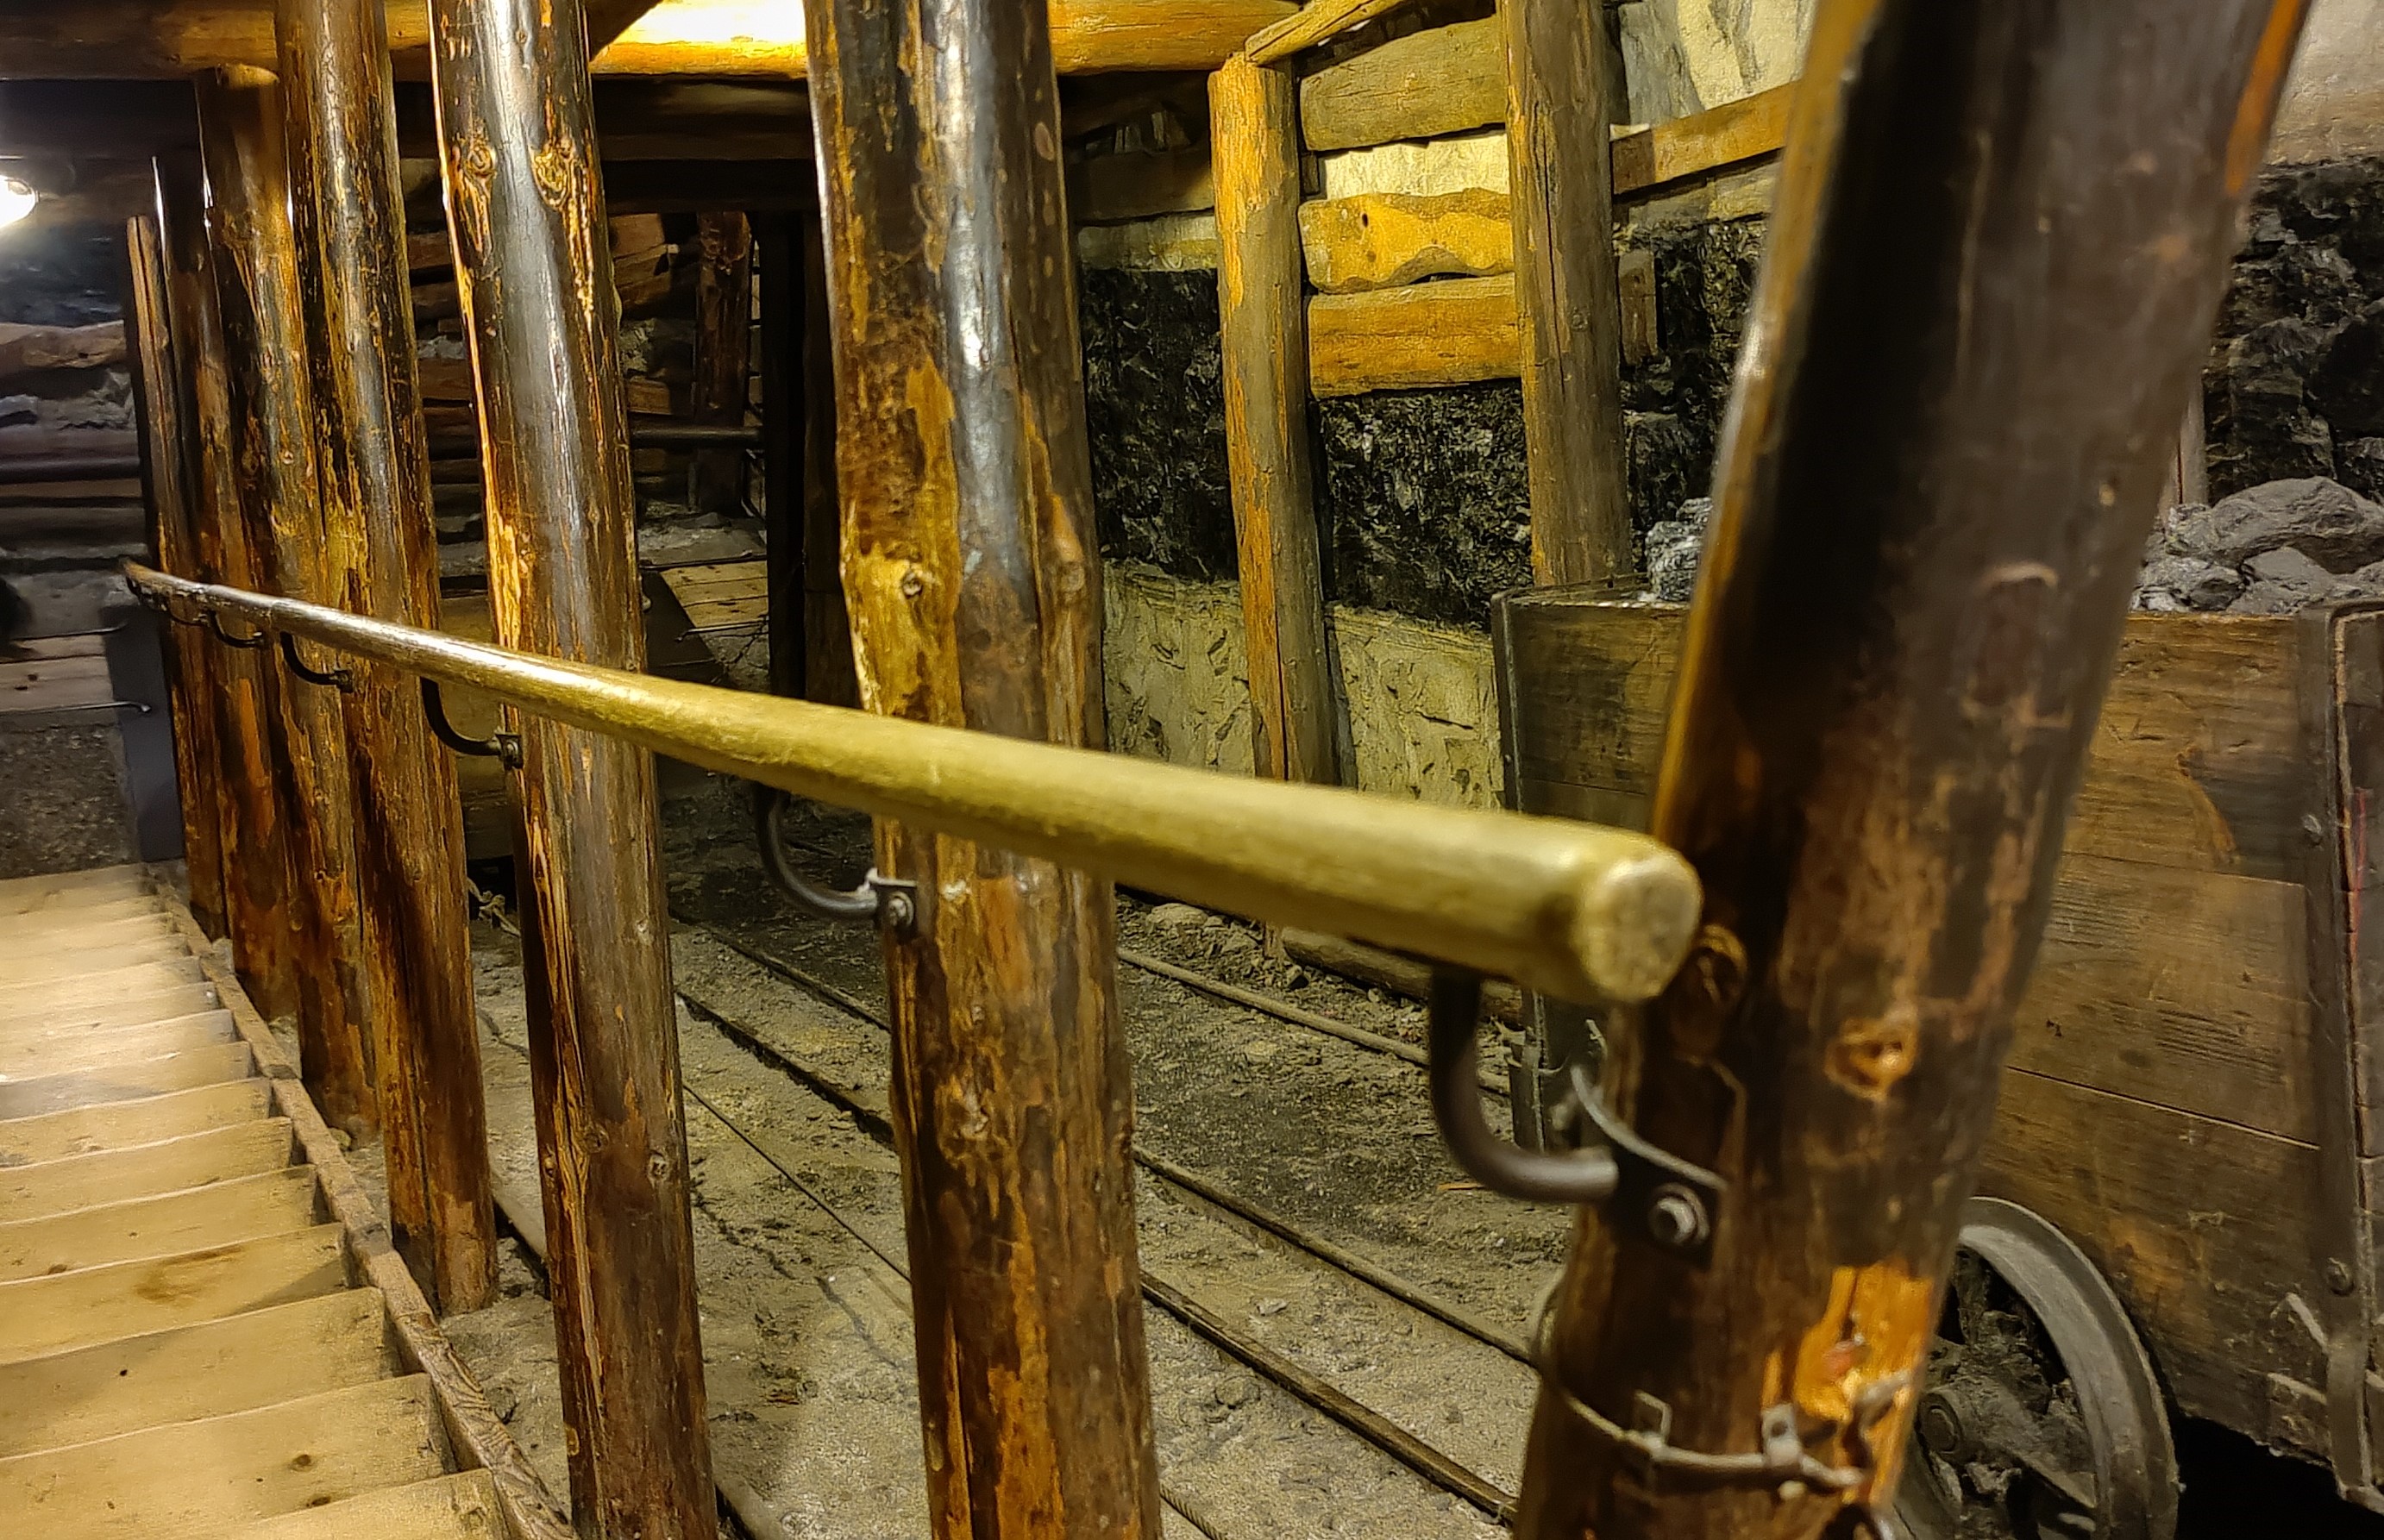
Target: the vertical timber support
pixel 723 348
pixel 1254 135
pixel 2000 239
pixel 375 473
pixel 165 437
pixel 975 580
pixel 257 882
pixel 1567 291
pixel 273 457
pixel 534 268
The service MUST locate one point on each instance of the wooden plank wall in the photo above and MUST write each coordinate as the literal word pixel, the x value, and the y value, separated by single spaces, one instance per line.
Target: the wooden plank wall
pixel 2161 1105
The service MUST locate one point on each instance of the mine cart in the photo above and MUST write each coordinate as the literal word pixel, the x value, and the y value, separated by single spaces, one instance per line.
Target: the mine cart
pixel 2175 1212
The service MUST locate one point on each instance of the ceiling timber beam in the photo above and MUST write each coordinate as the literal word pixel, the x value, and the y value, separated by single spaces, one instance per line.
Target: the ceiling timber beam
pixel 716 39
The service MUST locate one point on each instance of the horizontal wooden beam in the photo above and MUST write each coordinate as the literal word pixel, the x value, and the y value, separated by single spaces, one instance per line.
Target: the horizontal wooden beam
pixel 1315 24
pixel 1441 81
pixel 701 39
pixel 1137 186
pixel 1453 331
pixel 1383 239
pixel 30 349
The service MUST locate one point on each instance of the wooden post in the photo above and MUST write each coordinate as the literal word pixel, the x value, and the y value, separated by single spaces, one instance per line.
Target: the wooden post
pixel 1254 140
pixel 724 346
pixel 778 272
pixel 375 474
pixel 973 574
pixel 273 457
pixel 165 437
pixel 1932 506
pixel 1567 294
pixel 535 272
pixel 257 880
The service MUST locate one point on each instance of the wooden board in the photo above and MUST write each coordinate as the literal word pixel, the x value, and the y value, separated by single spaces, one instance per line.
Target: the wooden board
pixel 195 1479
pixel 1447 332
pixel 70 955
pixel 2204 1229
pixel 461 1507
pixel 83 1130
pixel 245 1208
pixel 136 1010
pixel 113 983
pixel 1139 186
pixel 723 595
pixel 61 685
pixel 144 1170
pixel 90 928
pixel 18 894
pixel 125 1082
pixel 1379 241
pixel 127 1299
pixel 1441 81
pixel 240 1362
pixel 1651 158
pixel 114 908
pixel 41 1051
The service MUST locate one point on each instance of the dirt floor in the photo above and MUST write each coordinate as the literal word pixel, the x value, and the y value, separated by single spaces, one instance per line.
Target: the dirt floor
pixel 1293 1396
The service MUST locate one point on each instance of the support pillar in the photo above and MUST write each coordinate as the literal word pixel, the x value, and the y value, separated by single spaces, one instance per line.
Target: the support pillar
pixel 374 471
pixel 2000 238
pixel 810 628
pixel 535 273
pixel 724 346
pixel 257 882
pixel 165 437
pixel 973 576
pixel 273 458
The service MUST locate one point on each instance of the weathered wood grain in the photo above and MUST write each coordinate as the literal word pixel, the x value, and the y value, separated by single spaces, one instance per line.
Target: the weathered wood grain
pixel 1440 81
pixel 1312 24
pixel 1137 186
pixel 973 569
pixel 1383 239
pixel 27 350
pixel 724 346
pixel 1558 60
pixel 1648 159
pixel 281 508
pixel 526 207
pixel 348 212
pixel 1269 456
pixel 1450 331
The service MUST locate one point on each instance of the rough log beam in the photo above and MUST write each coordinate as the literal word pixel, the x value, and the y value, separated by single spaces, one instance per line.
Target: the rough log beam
pixel 166 434
pixel 256 858
pixel 1885 701
pixel 137 40
pixel 723 348
pixel 255 266
pixel 1268 455
pixel 974 574
pixel 373 473
pixel 535 272
pixel 1559 134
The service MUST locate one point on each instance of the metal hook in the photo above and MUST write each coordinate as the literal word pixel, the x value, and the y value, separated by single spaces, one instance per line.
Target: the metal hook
pixel 504 747
pixel 341 680
pixel 1658 1198
pixel 256 639
pixel 878 898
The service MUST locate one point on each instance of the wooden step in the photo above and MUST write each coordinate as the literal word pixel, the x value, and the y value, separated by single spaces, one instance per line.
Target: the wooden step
pixel 461 1507
pixel 127 1299
pixel 24 895
pixel 239 1363
pixel 33 1032
pixel 113 911
pixel 137 1010
pixel 115 1125
pixel 60 958
pixel 55 1053
pixel 129 1081
pixel 198 1479
pixel 49 1187
pixel 84 932
pixel 243 1208
pixel 99 987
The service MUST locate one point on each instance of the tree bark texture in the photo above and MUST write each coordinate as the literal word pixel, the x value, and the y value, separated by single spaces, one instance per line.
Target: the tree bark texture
pixel 2000 241
pixel 257 880
pixel 382 556
pixel 534 267
pixel 273 460
pixel 166 438
pixel 974 577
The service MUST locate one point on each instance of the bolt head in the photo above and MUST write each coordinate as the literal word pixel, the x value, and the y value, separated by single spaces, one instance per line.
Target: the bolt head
pixel 1676 1217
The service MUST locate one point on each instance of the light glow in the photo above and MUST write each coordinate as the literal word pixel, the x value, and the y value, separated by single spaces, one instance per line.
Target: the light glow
pixel 16 199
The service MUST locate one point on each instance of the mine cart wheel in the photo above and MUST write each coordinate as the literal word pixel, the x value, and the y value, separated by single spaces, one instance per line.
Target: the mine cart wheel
pixel 2042 1419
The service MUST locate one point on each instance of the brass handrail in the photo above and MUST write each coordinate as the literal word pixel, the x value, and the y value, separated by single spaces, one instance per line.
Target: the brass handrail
pixel 1571 909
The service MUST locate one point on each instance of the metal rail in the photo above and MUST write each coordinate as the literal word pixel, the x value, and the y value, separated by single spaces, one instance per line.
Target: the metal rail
pixel 1571 909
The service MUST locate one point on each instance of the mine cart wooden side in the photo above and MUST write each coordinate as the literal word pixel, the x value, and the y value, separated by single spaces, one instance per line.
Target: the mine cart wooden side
pixel 2192 1091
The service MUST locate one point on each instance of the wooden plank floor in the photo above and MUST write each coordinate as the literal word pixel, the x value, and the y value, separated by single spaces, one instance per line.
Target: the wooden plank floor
pixel 203 1331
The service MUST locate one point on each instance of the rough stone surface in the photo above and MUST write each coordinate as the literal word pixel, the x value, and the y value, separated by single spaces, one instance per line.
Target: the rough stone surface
pixel 1155 415
pixel 65 807
pixel 2295 386
pixel 1673 547
pixel 1426 499
pixel 1674 400
pixel 2323 520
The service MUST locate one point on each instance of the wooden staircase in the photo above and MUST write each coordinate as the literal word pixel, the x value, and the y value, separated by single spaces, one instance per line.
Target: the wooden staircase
pixel 204 1330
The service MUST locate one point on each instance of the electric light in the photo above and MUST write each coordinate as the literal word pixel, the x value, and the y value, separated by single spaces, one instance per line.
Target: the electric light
pixel 16 199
